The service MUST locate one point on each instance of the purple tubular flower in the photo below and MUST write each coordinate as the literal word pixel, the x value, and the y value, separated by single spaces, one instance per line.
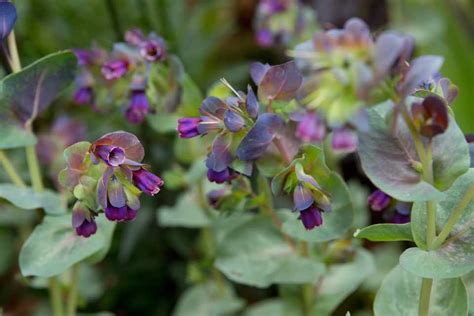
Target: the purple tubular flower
pixel 147 182
pixel 114 69
pixel 221 176
pixel 134 37
pixel 83 95
pixel 138 107
pixel 188 127
pixel 344 140
pixel 311 217
pixel 116 213
pixel 264 37
pixel 87 228
pixel 402 213
pixel 153 49
pixel 111 155
pixel 311 128
pixel 378 200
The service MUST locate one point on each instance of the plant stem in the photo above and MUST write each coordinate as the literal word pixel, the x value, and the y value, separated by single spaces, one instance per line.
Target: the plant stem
pixel 15 57
pixel 33 166
pixel 72 295
pixel 453 219
pixel 425 296
pixel 307 288
pixel 55 296
pixel 10 170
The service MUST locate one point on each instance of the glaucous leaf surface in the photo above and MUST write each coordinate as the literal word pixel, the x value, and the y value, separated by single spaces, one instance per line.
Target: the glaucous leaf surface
pixel 256 254
pixel 456 256
pixel 28 199
pixel 400 292
pixel 208 299
pixel 398 178
pixel 54 246
pixel 341 280
pixel 273 307
pixel 186 213
pixel 335 223
pixel 26 94
pixel 7 19
pixel 385 232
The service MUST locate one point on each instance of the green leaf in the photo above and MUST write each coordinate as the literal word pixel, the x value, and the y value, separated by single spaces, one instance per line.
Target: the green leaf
pixel 456 256
pixel 273 307
pixel 400 292
pixel 186 213
pixel 255 253
pixel 7 239
pixel 385 232
pixel 335 223
pixel 29 92
pixel 399 179
pixel 163 123
pixel 27 198
pixel 54 246
pixel 341 280
pixel 208 299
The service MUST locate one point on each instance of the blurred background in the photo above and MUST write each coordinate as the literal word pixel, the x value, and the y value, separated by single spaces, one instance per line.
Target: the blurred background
pixel 146 269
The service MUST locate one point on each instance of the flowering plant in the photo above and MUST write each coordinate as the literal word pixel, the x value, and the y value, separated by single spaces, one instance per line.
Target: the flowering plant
pixel 256 174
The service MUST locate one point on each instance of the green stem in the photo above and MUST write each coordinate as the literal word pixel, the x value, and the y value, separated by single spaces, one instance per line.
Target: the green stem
pixel 15 57
pixel 453 219
pixel 425 296
pixel 307 289
pixel 10 170
pixel 72 295
pixel 55 296
pixel 33 166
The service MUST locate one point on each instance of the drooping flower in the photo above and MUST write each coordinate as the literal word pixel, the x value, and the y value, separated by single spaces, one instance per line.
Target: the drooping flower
pixel 344 140
pixel 83 221
pixel 311 217
pixel 146 181
pixel 138 107
pixel 378 200
pixel 430 116
pixel 114 69
pixel 311 128
pixel 225 175
pixel 188 127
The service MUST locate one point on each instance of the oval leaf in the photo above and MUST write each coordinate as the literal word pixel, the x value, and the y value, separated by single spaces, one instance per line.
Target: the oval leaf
pixel 385 232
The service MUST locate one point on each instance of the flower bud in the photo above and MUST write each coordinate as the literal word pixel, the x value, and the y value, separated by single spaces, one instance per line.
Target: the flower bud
pixel 311 217
pixel 153 49
pixel 188 127
pixel 138 107
pixel 147 182
pixel 378 200
pixel 430 116
pixel 114 69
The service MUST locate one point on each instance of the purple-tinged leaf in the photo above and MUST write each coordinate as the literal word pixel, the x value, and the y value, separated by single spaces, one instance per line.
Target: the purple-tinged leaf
pixel 388 48
pixel 102 187
pixel 127 141
pixel 115 193
pixel 251 103
pixel 260 136
pixel 257 72
pixel 26 94
pixel 213 106
pixel 220 157
pixel 302 197
pixel 280 82
pixel 421 69
pixel 7 18
pixel 233 121
pixel 76 164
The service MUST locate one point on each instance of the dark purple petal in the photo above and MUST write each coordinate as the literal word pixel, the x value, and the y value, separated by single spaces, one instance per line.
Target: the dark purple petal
pixel 233 121
pixel 111 155
pixel 311 128
pixel 114 69
pixel 188 127
pixel 221 176
pixel 344 140
pixel 251 103
pixel 261 135
pixel 131 214
pixel 431 116
pixel 421 69
pixel 220 157
pixel 138 107
pixel 258 71
pixel 280 82
pixel 116 213
pixel 302 197
pixel 311 217
pixel 378 200
pixel 7 18
pixel 147 182
pixel 127 141
pixel 87 228
pixel 84 95
pixel 400 218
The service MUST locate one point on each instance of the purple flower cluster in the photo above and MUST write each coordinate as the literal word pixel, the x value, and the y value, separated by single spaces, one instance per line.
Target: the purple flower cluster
pixel 392 211
pixel 131 59
pixel 117 157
